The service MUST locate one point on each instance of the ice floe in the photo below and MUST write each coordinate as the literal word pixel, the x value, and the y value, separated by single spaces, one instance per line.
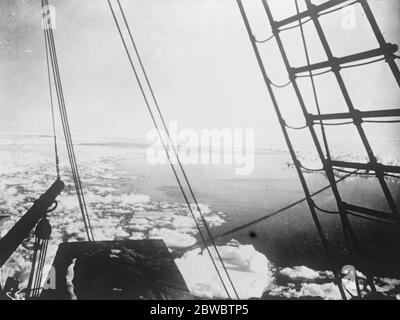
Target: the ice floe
pixel 249 270
pixel 325 291
pixel 305 273
pixel 27 170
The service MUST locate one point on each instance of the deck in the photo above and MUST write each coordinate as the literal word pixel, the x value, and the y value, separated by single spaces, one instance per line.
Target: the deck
pixel 128 269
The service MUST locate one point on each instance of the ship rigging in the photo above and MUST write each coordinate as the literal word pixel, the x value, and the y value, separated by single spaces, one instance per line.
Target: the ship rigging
pixel 130 253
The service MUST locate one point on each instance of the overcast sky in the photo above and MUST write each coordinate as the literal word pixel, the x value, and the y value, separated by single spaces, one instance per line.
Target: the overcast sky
pixel 199 60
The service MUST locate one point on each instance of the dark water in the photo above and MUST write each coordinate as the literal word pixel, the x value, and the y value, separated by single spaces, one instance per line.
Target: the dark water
pixel 289 238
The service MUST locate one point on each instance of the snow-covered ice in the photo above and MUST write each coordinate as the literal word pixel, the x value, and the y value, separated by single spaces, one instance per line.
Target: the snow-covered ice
pixel 249 270
pixel 27 170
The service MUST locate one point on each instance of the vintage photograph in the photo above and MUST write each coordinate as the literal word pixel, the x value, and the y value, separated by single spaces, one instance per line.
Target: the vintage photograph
pixel 200 150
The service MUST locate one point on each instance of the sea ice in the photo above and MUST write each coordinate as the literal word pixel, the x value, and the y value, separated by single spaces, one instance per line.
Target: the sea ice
pixel 248 269
pixel 172 238
pixel 300 272
pixel 26 172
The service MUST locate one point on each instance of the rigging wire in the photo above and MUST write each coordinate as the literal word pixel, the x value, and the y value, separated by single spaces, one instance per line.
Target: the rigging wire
pixel 279 86
pixel 382 121
pixel 392 176
pixel 321 14
pixel 370 219
pixel 52 109
pixel 60 96
pixel 313 74
pixel 173 148
pixel 271 215
pixel 296 128
pixel 338 123
pixel 39 275
pixel 316 100
pixel 325 210
pixel 348 232
pixel 263 41
pixel 326 245
pixel 358 173
pixel 342 67
pixel 362 63
pixel 166 149
pixel 295 26
pixel 309 169
pixel 346 95
pixel 276 85
pixel 48 33
pixel 205 223
pixel 338 8
pixel 364 173
pixel 42 235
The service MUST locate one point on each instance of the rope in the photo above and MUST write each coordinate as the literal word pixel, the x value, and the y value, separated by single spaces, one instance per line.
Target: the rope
pixel 52 109
pixel 358 173
pixel 363 63
pixel 32 273
pixel 271 215
pixel 368 173
pixel 316 100
pixel 372 158
pixel 173 148
pixel 49 36
pixel 295 26
pixel 175 151
pixel 325 243
pixel 338 123
pixel 348 232
pixel 370 219
pixel 42 235
pixel 176 154
pixel 343 67
pixel 313 74
pixel 321 14
pixel 69 144
pixel 392 176
pixel 295 128
pixel 381 121
pixel 337 9
pixel 280 85
pixel 309 169
pixel 264 41
pixel 325 210
pixel 42 260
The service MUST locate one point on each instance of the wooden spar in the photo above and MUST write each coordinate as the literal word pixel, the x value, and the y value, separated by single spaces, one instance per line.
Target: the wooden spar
pixel 10 242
